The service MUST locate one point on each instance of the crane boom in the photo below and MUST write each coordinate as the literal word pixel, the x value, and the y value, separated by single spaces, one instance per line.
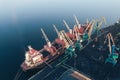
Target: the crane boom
pixel 45 36
pixel 76 20
pixel 112 57
pixel 91 28
pixel 102 20
pixel 112 39
pixel 88 25
pixel 66 25
pixel 56 30
pixel 66 38
pixel 106 38
pixel 109 44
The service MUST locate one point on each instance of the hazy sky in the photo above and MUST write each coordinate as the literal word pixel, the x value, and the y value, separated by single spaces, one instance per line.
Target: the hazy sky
pixel 31 8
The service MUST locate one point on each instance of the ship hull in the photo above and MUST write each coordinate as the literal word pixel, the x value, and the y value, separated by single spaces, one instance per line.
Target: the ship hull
pixel 49 59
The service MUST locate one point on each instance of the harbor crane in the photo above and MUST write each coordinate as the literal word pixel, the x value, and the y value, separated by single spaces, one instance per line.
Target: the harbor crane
pixel 46 38
pixel 77 22
pixel 89 25
pixel 77 33
pixel 67 26
pixel 78 43
pixel 113 56
pixel 99 24
pixel 60 37
pixel 103 20
pixel 66 39
pixel 49 47
pixel 77 27
pixel 70 49
pixel 88 30
pixel 56 30
pixel 71 35
pixel 59 40
pixel 91 29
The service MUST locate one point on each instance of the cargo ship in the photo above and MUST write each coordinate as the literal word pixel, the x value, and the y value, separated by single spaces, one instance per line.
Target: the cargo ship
pixel 66 43
pixel 99 60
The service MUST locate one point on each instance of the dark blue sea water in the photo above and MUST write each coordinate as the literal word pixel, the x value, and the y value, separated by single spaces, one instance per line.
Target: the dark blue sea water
pixel 20 24
pixel 14 39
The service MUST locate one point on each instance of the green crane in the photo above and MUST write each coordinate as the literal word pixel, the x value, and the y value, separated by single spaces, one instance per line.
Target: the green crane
pixel 98 25
pixel 112 57
pixel 88 31
pixel 78 43
pixel 70 49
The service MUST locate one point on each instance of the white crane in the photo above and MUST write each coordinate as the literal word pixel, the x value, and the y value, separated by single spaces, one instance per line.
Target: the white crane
pixel 57 32
pixel 77 22
pixel 103 20
pixel 46 38
pixel 70 30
